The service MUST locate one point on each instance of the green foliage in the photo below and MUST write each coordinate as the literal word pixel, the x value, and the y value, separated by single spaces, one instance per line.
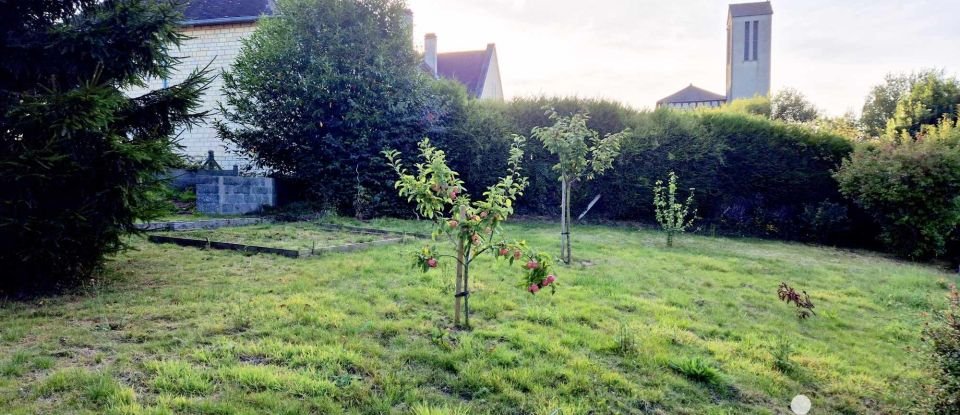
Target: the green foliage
pixel 790 105
pixel 320 89
pixel 697 369
pixel 581 151
pixel 753 176
pixel 782 353
pixel 674 217
pixel 942 337
pixel 910 190
pixel 881 103
pixel 79 160
pixel 759 106
pixel 930 99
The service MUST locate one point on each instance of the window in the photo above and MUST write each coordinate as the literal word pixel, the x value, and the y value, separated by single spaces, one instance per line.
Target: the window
pixel 756 35
pixel 746 42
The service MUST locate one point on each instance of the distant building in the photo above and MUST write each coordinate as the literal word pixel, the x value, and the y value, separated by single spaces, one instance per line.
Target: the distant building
pixel 692 97
pixel 749 30
pixel 477 70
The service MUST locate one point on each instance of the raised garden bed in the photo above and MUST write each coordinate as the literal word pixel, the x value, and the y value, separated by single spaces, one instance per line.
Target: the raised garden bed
pixel 292 240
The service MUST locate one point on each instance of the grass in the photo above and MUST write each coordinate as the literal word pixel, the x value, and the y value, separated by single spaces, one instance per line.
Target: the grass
pixel 301 236
pixel 634 328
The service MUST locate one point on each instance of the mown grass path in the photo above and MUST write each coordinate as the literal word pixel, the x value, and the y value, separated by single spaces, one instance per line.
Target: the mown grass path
pixel 634 328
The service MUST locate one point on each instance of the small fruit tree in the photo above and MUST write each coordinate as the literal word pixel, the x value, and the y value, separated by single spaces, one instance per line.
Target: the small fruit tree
pixel 473 227
pixel 673 217
pixel 582 153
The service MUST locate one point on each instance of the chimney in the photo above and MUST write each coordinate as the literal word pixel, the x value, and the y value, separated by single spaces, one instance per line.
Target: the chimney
pixel 430 52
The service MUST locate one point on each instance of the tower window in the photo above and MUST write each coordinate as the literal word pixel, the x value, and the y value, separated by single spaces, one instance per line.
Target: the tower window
pixel 746 42
pixel 756 35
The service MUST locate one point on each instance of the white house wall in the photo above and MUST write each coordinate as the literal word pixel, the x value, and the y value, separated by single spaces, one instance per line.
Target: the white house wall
pixel 492 85
pixel 219 46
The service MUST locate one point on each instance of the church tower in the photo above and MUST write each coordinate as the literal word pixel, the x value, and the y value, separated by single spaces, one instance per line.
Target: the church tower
pixel 748 50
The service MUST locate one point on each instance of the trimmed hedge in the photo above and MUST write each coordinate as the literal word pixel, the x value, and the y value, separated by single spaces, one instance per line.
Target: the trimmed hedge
pixel 752 176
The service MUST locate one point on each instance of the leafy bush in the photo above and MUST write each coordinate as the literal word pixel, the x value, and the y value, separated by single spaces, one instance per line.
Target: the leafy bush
pixel 910 190
pixel 320 89
pixel 78 158
pixel 942 336
pixel 674 217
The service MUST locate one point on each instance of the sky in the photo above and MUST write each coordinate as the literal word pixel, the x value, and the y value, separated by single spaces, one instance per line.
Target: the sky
pixel 638 51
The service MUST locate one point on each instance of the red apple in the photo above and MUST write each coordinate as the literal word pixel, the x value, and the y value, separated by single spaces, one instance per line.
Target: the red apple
pixel 533 265
pixel 533 288
pixel 504 252
pixel 517 254
pixel 550 279
pixel 432 262
pixel 453 224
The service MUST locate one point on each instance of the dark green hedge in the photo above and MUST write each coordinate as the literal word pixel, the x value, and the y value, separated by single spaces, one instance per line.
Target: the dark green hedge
pixel 752 176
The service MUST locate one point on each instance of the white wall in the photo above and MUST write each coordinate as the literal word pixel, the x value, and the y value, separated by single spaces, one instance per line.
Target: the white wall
pixel 493 86
pixel 219 46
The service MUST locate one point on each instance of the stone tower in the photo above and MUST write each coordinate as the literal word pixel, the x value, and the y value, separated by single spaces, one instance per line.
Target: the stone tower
pixel 748 50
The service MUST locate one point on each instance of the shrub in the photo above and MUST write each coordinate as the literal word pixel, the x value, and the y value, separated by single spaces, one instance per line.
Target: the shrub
pixel 79 160
pixel 942 336
pixel 697 369
pixel 320 89
pixel 910 190
pixel 674 217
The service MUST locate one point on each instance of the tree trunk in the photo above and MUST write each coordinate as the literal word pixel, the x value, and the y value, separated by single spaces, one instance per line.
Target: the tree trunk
pixel 569 225
pixel 563 219
pixel 466 290
pixel 459 284
pixel 461 249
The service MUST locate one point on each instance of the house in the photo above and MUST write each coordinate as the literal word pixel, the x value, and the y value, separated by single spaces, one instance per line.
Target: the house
pixel 216 29
pixel 477 70
pixel 749 30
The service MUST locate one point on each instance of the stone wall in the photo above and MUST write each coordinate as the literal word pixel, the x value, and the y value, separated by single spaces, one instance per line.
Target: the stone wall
pixel 219 195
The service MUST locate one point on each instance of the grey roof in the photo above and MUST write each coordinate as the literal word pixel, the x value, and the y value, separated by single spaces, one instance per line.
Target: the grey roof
pixel 691 94
pixel 469 68
pixel 210 12
pixel 751 9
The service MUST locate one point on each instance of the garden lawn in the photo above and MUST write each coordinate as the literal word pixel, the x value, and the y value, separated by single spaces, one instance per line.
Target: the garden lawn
pixel 633 328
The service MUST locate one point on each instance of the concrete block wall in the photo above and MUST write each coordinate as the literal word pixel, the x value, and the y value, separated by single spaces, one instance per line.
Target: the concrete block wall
pixel 219 46
pixel 222 195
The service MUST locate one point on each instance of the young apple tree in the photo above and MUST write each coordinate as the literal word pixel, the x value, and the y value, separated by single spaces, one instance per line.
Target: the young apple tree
pixel 674 217
pixel 472 226
pixel 583 154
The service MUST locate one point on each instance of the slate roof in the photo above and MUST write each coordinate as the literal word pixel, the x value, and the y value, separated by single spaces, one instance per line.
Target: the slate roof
pixel 210 12
pixel 468 68
pixel 751 9
pixel 691 94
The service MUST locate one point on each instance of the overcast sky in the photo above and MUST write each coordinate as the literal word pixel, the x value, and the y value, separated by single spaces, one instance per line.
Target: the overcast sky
pixel 638 51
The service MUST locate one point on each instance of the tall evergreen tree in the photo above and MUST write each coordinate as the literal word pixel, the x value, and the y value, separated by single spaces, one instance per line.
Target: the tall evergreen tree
pixel 78 157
